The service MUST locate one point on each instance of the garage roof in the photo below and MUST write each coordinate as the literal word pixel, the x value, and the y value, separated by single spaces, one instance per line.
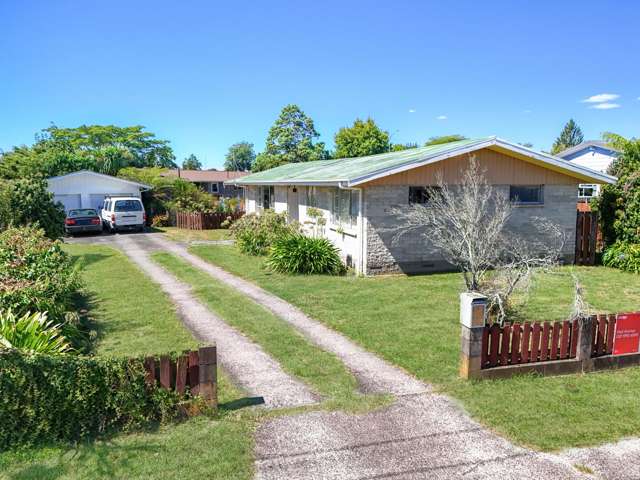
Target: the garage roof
pixel 100 175
pixel 349 172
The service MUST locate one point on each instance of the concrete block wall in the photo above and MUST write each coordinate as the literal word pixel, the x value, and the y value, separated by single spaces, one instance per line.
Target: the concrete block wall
pixel 413 253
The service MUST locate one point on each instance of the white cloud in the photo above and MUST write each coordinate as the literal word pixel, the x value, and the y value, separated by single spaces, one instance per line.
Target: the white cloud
pixel 605 106
pixel 441 117
pixel 526 112
pixel 601 97
pixel 412 110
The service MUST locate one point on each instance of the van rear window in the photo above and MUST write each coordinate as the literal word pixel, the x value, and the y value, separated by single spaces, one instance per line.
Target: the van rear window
pixel 128 206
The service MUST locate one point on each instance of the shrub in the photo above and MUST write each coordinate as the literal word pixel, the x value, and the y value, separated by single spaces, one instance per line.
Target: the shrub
pixel 254 234
pixel 27 202
pixel 160 220
pixel 31 333
pixel 622 255
pixel 300 254
pixel 35 274
pixel 47 398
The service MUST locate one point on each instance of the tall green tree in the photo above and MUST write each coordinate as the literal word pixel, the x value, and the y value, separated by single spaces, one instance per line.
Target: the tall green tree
pixel 619 204
pixel 104 149
pixel 570 136
pixel 398 147
pixel 191 163
pixel 439 140
pixel 363 138
pixel 240 157
pixel 291 139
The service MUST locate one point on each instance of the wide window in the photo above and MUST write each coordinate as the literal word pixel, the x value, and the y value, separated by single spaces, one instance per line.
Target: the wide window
pixel 312 197
pixel 421 195
pixel 266 197
pixel 526 194
pixel 345 207
pixel 128 206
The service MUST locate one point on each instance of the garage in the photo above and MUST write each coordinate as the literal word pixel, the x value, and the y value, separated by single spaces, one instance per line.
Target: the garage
pixel 70 201
pixel 86 189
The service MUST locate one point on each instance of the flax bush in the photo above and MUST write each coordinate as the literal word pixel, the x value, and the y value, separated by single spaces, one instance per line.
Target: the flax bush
pixel 301 254
pixel 47 398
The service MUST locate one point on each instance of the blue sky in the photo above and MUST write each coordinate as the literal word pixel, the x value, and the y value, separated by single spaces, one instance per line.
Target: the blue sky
pixel 206 74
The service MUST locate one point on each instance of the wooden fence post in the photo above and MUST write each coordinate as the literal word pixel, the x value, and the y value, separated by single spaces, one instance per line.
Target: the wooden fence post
pixel 585 342
pixel 473 311
pixel 208 375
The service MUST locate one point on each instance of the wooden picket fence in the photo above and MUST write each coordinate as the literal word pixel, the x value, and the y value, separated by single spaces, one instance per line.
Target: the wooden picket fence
pixel 586 237
pixel 531 342
pixel 204 221
pixel 195 370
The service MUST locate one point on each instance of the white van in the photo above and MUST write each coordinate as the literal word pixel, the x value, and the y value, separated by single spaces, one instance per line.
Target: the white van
pixel 123 213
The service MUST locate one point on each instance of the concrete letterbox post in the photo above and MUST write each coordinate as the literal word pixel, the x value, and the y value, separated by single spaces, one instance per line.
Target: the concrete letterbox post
pixel 473 315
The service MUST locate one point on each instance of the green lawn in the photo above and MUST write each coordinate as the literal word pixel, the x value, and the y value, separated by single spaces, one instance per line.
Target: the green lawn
pixel 321 370
pixel 134 317
pixel 183 235
pixel 413 322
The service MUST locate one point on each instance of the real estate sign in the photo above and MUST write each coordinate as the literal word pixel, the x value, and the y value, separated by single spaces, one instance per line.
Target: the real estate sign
pixel 627 334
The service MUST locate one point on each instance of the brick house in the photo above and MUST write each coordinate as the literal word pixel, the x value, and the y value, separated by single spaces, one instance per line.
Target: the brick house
pixel 357 195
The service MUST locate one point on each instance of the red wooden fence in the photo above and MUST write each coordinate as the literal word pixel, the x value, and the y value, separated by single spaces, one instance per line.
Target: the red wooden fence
pixel 529 342
pixel 586 238
pixel 513 344
pixel 194 369
pixel 204 221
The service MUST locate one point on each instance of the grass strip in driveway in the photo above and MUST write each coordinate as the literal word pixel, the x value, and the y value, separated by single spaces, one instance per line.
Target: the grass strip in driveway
pixel 413 322
pixel 321 370
pixel 134 318
pixel 184 235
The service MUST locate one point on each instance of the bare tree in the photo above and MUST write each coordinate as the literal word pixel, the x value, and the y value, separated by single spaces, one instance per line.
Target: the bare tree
pixel 467 223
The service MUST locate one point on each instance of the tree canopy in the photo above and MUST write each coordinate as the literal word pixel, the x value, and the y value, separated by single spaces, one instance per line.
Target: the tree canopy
pixel 363 138
pixel 101 148
pixel 290 140
pixel 398 147
pixel 191 163
pixel 439 140
pixel 240 157
pixel 570 136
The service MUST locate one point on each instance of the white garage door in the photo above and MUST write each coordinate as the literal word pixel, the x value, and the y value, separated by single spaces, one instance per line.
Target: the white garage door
pixel 69 201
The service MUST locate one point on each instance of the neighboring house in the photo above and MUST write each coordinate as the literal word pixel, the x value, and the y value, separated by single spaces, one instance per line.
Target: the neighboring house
pixel 211 181
pixel 356 196
pixel 87 189
pixel 592 154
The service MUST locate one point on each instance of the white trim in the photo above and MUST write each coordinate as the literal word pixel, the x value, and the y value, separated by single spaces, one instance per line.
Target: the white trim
pixel 101 175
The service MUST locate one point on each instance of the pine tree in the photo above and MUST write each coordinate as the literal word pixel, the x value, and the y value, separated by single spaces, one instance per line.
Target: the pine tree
pixel 570 136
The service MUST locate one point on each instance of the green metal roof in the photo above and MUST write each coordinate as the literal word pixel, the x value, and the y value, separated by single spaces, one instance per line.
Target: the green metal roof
pixel 353 171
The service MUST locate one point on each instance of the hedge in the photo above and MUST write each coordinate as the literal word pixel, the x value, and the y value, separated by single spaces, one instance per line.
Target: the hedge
pixel 45 398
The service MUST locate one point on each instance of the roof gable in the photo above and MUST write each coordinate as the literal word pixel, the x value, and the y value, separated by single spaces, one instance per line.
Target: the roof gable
pixel 102 176
pixel 351 172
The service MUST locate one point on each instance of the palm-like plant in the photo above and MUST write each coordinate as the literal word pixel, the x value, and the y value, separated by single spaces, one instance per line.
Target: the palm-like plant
pixel 31 333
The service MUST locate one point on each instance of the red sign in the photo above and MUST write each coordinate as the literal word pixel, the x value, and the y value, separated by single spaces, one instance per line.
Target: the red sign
pixel 627 334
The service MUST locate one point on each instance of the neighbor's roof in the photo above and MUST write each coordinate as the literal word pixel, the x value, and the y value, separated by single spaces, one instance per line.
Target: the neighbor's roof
pixel 99 175
pixel 349 172
pixel 204 175
pixel 584 146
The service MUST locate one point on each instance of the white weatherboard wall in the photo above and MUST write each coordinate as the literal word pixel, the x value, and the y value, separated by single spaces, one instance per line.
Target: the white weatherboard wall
pixel 594 160
pixel 88 189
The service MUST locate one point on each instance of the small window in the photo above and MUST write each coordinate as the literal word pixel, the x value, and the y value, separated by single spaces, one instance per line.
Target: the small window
pixel 214 188
pixel 266 197
pixel 587 190
pixel 312 197
pixel 345 207
pixel 421 195
pixel 526 194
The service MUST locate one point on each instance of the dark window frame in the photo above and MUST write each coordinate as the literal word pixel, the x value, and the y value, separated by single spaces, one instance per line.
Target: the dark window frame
pixel 515 199
pixel 420 195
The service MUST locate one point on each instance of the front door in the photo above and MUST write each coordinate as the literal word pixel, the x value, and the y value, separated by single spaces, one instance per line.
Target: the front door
pixel 292 203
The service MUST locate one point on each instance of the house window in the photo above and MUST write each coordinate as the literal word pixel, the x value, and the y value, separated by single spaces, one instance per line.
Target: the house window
pixel 266 197
pixel 421 195
pixel 526 194
pixel 587 190
pixel 312 197
pixel 214 187
pixel 345 207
